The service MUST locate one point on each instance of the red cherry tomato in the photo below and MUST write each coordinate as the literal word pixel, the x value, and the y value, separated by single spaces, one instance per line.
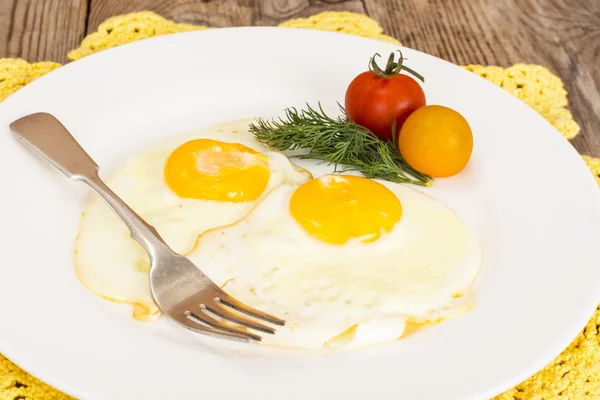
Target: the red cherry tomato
pixel 377 98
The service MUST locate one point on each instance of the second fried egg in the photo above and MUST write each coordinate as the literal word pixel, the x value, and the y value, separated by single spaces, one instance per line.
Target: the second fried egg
pixel 346 261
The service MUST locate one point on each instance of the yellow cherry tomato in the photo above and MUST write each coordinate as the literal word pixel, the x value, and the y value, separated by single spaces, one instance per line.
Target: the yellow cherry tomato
pixel 436 140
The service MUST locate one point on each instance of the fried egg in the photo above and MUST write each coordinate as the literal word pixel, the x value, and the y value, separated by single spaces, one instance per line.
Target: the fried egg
pixel 183 188
pixel 347 261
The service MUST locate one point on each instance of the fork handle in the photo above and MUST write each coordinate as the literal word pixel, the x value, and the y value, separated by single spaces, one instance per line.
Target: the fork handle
pixel 48 137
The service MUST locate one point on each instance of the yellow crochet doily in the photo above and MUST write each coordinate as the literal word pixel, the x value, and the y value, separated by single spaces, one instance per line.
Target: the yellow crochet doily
pixel 575 374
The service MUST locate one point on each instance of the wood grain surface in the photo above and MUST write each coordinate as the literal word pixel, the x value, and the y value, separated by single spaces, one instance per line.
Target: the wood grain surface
pixel 41 30
pixel 563 35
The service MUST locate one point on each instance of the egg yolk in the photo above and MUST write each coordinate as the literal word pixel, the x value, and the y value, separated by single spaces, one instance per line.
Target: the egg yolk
pixel 335 208
pixel 207 169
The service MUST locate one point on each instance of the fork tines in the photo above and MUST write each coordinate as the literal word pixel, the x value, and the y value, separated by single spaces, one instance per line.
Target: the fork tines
pixel 222 315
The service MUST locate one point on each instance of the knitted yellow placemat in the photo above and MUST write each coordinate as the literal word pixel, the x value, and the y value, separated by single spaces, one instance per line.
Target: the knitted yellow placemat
pixel 575 374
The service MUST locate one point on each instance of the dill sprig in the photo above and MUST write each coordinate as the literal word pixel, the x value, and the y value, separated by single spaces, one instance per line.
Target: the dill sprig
pixel 338 142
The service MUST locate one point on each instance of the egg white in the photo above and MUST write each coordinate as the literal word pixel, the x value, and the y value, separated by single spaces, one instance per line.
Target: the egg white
pixel 345 296
pixel 112 265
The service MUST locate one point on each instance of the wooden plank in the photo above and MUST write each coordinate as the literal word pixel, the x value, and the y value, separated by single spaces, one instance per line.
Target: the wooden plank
pixel 221 13
pixel 41 30
pixel 218 14
pixel 562 35
pixel 273 12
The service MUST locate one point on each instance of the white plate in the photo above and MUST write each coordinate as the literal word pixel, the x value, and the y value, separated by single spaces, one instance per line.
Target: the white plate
pixel 527 194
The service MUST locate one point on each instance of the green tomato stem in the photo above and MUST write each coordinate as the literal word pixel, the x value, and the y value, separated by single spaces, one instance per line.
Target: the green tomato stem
pixel 392 67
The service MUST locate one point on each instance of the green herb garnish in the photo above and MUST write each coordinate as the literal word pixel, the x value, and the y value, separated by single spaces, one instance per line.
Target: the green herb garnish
pixel 346 145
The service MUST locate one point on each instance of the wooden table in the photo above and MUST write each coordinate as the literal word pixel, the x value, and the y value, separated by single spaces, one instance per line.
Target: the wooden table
pixel 563 35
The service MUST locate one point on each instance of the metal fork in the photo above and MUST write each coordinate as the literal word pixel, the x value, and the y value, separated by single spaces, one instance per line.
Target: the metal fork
pixel 179 288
